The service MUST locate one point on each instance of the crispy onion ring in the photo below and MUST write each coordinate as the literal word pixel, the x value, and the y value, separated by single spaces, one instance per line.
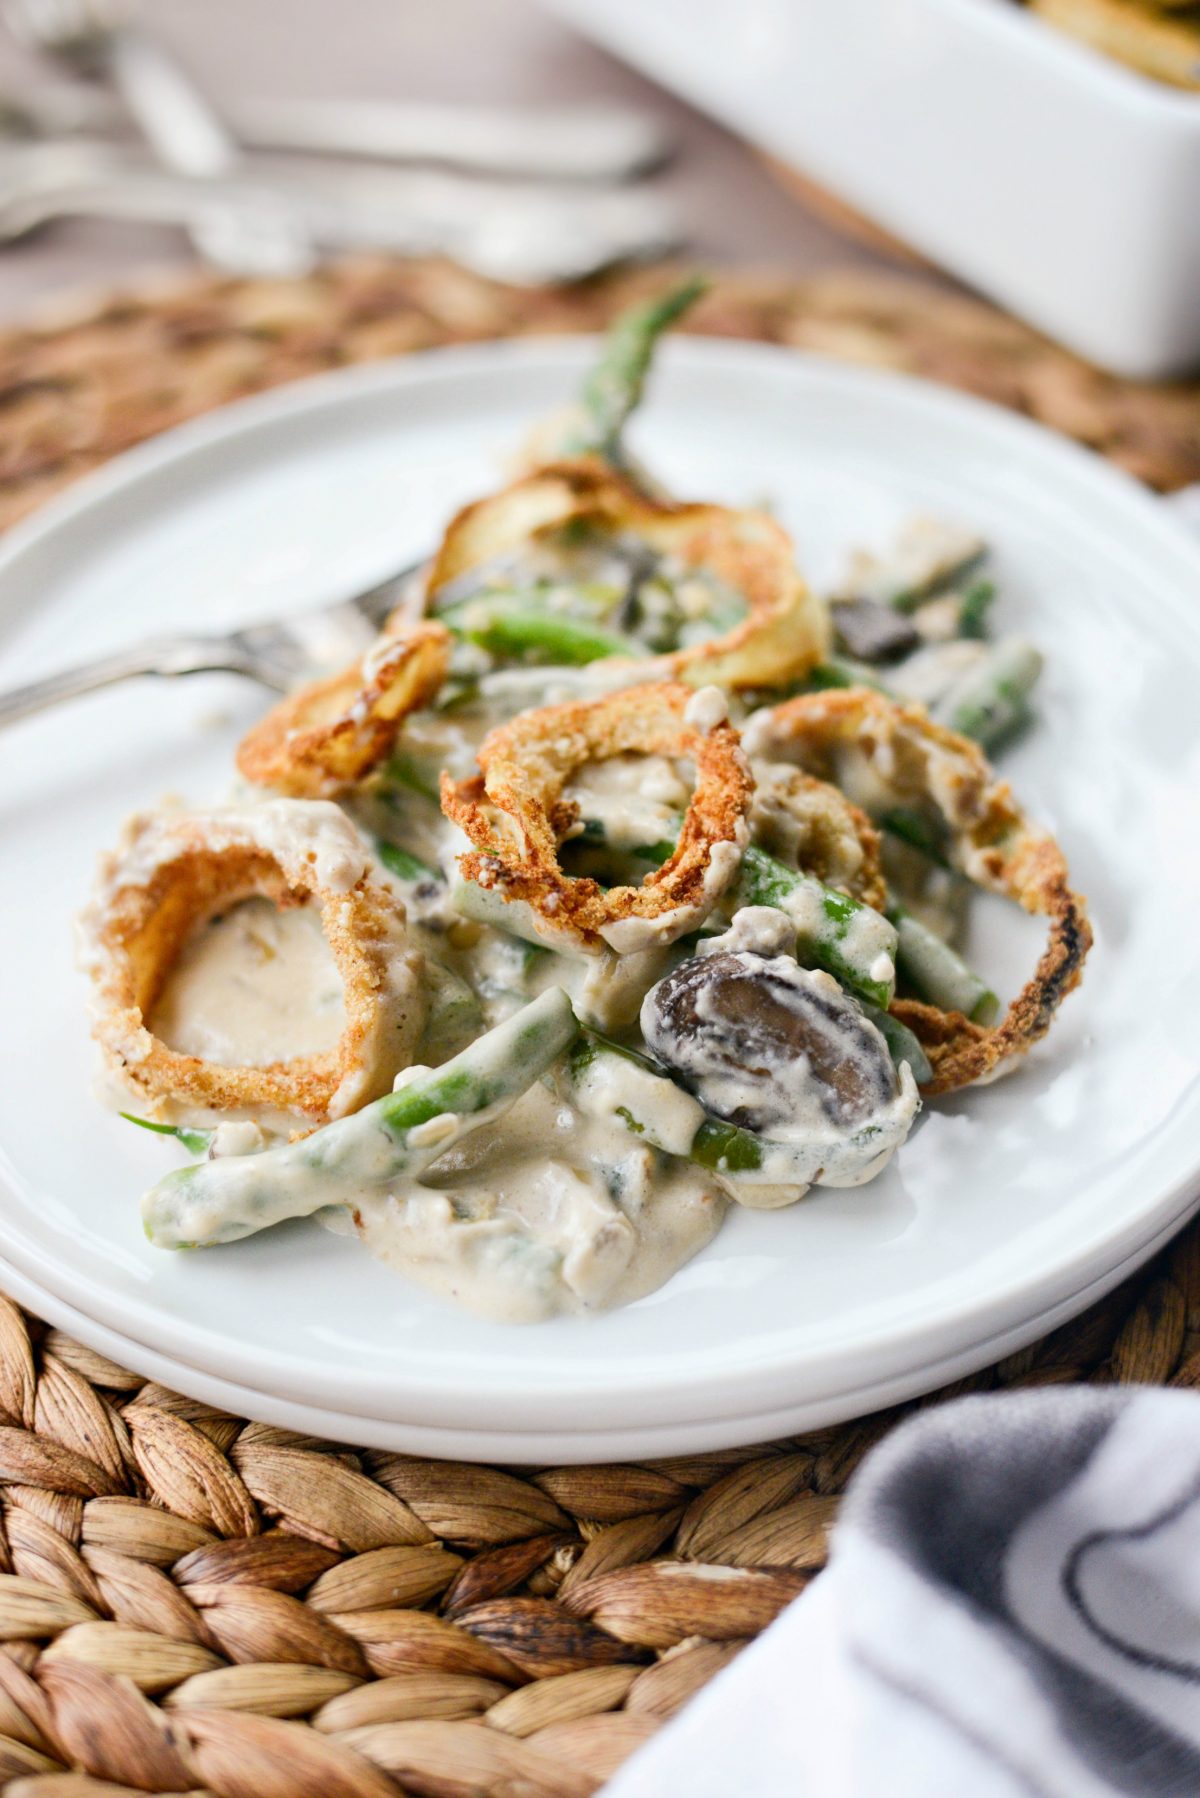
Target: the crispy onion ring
pixel 786 627
pixel 330 734
pixel 172 872
pixel 990 840
pixel 514 813
pixel 811 825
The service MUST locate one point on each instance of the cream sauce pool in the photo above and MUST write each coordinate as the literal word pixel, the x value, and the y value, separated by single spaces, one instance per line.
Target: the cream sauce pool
pixel 541 1212
pixel 253 986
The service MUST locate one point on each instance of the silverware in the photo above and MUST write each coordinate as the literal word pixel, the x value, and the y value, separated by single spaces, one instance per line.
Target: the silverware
pixel 518 233
pixel 279 653
pixel 245 233
pixel 594 142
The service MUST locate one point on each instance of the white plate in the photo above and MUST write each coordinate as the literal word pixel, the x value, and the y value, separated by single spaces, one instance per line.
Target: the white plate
pixel 555 1446
pixel 1006 1206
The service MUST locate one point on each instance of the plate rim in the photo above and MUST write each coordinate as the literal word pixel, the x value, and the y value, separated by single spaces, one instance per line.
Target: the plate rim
pixel 333 389
pixel 560 1445
pixel 316 391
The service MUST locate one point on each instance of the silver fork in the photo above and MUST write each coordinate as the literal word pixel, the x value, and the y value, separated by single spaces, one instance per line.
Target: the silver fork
pixel 517 233
pixel 252 235
pixel 279 654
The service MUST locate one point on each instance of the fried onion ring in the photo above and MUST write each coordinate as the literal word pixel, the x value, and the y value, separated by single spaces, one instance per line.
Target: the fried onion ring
pixel 809 824
pixel 857 737
pixel 514 813
pixel 329 734
pixel 786 627
pixel 172 872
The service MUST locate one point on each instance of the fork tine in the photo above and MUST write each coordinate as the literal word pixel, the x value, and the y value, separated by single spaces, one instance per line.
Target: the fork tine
pixel 377 602
pixel 325 637
pixel 280 653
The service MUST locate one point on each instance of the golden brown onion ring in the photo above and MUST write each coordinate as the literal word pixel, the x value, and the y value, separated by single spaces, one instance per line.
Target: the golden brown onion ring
pixel 786 627
pixel 810 824
pixel 856 735
pixel 514 813
pixel 172 872
pixel 330 734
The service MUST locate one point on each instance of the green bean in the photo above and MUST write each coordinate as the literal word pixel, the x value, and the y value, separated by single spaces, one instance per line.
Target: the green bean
pixel 508 625
pixel 990 700
pixel 405 770
pixel 576 597
pixel 486 906
pixel 196 1142
pixel 940 569
pixel 849 940
pixel 402 863
pixel 918 830
pixel 937 973
pixel 720 1147
pixel 728 1149
pixel 651 1098
pixel 223 1200
pixel 842 671
pixel 903 1045
pixel 513 688
pixel 614 388
pixel 974 607
pixel 454 1016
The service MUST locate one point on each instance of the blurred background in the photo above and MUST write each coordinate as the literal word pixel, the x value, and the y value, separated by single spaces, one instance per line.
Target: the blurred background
pixel 477 52
pixel 997 194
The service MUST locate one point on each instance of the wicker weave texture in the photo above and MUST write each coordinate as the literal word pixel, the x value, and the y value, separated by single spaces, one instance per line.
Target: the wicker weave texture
pixel 196 1602
pixel 193 1601
pixel 80 387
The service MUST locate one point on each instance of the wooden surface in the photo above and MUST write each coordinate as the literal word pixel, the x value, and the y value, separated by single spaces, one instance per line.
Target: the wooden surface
pixel 196 1602
pixel 84 384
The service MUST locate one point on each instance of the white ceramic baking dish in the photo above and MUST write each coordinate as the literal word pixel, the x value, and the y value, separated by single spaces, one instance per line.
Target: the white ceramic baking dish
pixel 1062 184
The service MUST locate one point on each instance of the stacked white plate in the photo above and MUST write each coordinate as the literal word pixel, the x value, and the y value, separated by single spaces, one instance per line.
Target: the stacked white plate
pixel 1010 1207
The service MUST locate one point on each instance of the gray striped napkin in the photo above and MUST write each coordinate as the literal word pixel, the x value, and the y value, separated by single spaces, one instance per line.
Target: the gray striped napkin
pixel 1011 1610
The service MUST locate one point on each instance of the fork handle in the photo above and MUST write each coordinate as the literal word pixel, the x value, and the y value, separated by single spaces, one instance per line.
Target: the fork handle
pixel 175 118
pixel 165 655
pixel 252 236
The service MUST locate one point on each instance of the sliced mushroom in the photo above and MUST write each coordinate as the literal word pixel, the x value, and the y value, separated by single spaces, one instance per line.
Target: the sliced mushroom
pixel 768 1045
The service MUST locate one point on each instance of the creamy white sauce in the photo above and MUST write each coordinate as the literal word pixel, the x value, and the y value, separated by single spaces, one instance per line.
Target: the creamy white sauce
pixel 758 929
pixel 610 992
pixel 254 986
pixel 544 1211
pixel 708 707
pixel 925 552
pixel 930 672
pixel 637 798
pixel 235 1136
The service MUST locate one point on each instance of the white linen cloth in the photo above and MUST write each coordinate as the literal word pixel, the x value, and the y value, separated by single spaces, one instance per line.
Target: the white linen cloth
pixel 1011 1610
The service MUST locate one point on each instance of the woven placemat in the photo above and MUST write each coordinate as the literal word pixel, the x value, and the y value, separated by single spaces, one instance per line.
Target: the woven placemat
pixel 191 1601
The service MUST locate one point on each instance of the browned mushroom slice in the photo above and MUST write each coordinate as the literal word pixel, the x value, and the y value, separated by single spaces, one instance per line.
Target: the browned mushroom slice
pixel 760 1042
